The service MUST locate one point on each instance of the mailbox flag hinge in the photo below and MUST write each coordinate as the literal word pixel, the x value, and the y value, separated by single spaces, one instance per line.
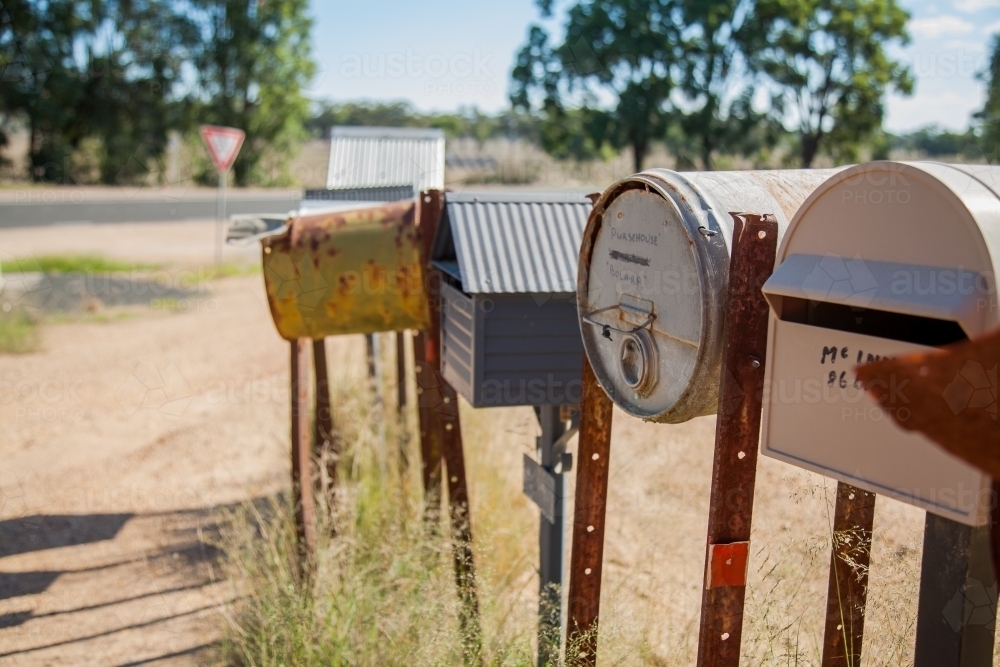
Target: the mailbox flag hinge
pixel 727 565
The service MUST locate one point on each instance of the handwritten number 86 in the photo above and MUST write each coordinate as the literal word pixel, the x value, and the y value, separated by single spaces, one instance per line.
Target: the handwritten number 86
pixel 841 380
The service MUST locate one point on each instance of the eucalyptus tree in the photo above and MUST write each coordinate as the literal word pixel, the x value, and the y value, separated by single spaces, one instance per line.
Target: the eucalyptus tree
pixel 988 117
pixel 829 68
pixel 253 67
pixel 608 84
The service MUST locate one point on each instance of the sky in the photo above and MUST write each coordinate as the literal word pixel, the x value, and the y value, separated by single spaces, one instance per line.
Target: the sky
pixel 443 54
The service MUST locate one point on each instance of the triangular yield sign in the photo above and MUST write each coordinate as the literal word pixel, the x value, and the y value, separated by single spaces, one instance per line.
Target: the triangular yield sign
pixel 223 144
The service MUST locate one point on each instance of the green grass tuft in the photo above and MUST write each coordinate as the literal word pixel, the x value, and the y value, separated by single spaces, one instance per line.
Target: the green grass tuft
pixel 72 264
pixel 18 332
pixel 382 589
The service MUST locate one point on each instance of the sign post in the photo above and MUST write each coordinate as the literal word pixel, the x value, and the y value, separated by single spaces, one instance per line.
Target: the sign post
pixel 223 145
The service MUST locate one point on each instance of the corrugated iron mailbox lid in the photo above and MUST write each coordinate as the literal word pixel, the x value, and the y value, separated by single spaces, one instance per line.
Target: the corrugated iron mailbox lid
pixel 357 271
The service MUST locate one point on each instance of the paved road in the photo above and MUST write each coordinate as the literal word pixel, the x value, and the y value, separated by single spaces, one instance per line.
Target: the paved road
pixel 135 209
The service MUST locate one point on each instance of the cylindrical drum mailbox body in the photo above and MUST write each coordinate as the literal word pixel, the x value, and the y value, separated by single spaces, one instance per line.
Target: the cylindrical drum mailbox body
pixel 355 271
pixel 883 259
pixel 652 280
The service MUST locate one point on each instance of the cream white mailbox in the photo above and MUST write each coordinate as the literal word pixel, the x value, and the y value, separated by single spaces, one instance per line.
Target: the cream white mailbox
pixel 881 260
pixel 653 276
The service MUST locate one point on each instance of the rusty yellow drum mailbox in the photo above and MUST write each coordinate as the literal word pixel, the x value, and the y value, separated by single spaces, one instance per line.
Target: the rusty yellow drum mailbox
pixel 343 272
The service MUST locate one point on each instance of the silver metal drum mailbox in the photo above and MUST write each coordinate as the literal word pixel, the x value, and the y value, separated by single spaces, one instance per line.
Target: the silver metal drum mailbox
pixel 654 267
pixel 883 259
pixel 509 329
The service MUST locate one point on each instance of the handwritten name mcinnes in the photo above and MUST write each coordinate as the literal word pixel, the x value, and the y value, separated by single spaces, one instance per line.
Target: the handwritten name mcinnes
pixel 648 239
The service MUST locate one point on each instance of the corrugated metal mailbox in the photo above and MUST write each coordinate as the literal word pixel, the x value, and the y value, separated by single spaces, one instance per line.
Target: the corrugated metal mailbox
pixel 654 267
pixel 509 336
pixel 345 272
pixel 508 312
pixel 883 259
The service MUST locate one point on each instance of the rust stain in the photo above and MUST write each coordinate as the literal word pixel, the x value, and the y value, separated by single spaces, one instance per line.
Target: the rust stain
pixel 347 272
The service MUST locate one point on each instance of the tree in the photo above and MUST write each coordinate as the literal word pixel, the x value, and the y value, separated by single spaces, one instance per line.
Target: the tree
pixel 989 116
pixel 829 69
pixel 716 83
pixel 134 100
pixel 254 63
pixel 77 69
pixel 43 77
pixel 628 50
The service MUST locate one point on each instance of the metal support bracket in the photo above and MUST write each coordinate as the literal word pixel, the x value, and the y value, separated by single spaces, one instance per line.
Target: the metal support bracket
pixel 540 485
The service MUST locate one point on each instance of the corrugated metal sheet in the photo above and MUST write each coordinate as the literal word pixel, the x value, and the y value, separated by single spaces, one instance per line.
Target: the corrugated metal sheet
pixel 386 193
pixel 524 243
pixel 376 157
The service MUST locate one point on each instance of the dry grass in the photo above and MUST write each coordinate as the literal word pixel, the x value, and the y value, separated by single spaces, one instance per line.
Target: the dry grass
pixel 384 589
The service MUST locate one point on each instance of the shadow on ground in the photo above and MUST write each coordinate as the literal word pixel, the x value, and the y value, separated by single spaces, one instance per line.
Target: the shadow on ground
pixel 194 536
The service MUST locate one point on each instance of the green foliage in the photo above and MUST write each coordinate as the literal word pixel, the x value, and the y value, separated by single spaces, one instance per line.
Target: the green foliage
pixel 988 117
pixel 466 122
pixel 828 63
pixel 71 82
pixel 593 62
pixel 73 264
pixel 689 70
pixel 43 79
pixel 253 66
pixel 126 73
pixel 18 331
pixel 132 104
pixel 714 79
pixel 935 142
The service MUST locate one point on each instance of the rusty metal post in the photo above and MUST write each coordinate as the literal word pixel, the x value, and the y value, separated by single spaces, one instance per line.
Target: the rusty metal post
pixel 441 430
pixel 426 362
pixel 853 518
pixel 305 514
pixel 401 371
pixel 428 398
pixel 461 523
pixel 327 449
pixel 737 438
pixel 404 459
pixel 371 359
pixel 590 505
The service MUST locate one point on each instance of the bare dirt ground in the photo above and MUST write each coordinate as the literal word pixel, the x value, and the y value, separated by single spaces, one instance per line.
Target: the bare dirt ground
pixel 118 441
pixel 120 438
